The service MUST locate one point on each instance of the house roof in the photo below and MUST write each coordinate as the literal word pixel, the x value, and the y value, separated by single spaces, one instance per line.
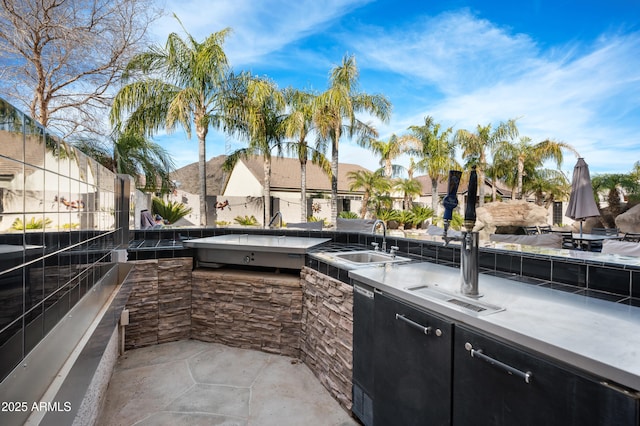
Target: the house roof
pixel 285 174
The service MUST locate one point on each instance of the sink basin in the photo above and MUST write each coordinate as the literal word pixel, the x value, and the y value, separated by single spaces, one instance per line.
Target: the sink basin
pixel 370 257
pixel 455 301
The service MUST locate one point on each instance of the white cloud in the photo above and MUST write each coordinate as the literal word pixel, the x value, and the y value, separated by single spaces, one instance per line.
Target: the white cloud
pixel 453 51
pixel 584 95
pixel 259 27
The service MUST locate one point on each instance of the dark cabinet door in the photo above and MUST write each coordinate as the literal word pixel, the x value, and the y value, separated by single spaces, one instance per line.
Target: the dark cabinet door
pixel 498 384
pixel 363 338
pixel 412 365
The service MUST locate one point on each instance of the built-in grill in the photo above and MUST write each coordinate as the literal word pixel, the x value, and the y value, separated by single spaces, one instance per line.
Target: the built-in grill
pixel 257 250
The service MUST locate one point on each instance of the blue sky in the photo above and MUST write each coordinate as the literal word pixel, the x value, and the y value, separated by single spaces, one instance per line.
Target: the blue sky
pixel 568 70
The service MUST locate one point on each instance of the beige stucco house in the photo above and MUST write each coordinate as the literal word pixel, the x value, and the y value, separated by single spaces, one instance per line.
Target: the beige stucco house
pixel 244 189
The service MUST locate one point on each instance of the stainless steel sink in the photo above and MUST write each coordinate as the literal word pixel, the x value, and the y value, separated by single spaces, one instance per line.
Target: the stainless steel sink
pixel 456 301
pixel 369 257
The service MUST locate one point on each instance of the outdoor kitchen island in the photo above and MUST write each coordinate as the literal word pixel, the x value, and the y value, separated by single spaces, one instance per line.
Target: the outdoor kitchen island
pixel 520 354
pixel 574 345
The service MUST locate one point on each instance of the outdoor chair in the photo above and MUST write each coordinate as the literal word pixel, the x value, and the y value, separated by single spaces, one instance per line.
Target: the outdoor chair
pixel 567 241
pixel 605 231
pixel 544 229
pixel 632 237
pixel 530 230
pixel 597 245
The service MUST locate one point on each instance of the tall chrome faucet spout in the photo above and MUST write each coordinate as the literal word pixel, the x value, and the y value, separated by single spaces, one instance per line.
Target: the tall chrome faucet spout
pixel 469 264
pixel 469 254
pixel 273 219
pixel 469 257
pixel 384 232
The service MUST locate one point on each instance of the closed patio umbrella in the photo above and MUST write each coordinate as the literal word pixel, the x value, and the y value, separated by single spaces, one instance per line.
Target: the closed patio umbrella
pixel 581 202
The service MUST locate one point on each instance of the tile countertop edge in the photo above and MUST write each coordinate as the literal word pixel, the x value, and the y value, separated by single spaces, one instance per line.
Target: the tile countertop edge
pixel 571 328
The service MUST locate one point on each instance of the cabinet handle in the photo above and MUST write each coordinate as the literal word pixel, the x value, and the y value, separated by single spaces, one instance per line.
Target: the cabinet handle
pixel 477 353
pixel 425 330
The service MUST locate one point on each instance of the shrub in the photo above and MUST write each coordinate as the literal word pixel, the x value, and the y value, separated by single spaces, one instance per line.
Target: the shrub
pixel 420 214
pixel 170 211
pixel 456 221
pixel 388 214
pixel 18 225
pixel 348 215
pixel 246 220
pixel 406 218
pixel 325 224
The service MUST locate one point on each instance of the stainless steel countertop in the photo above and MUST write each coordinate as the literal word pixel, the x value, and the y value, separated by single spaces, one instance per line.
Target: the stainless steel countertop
pixel 594 335
pixel 271 243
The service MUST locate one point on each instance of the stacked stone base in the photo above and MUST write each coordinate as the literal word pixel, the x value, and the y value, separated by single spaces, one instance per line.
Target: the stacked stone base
pixel 309 317
pixel 247 309
pixel 160 302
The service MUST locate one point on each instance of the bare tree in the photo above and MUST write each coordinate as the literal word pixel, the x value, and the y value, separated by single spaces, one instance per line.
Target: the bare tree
pixel 60 57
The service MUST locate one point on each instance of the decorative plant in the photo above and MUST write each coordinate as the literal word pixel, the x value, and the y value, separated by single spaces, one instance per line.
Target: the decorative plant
pixel 222 223
pixel 388 214
pixel 316 207
pixel 420 214
pixel 18 225
pixel 325 224
pixel 246 220
pixel 456 221
pixel 348 215
pixel 406 218
pixel 170 211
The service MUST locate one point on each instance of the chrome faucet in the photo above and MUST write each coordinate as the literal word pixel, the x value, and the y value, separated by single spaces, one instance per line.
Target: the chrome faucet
pixel 273 219
pixel 469 253
pixel 384 232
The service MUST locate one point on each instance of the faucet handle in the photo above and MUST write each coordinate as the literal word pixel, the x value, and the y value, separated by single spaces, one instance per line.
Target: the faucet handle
pixel 375 246
pixel 393 249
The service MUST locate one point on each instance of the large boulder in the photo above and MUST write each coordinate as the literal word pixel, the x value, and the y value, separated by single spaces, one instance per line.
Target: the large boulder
pixel 510 214
pixel 629 221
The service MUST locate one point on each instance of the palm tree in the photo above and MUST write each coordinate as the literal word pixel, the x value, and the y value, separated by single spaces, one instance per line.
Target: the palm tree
pixel 298 124
pixel 412 168
pixel 523 151
pixel 613 183
pixel 259 116
pixel 369 182
pixel 183 83
pixel 548 185
pixel 409 189
pixel 475 144
pixel 389 151
pixel 436 153
pixel 499 170
pixel 335 114
pixel 147 162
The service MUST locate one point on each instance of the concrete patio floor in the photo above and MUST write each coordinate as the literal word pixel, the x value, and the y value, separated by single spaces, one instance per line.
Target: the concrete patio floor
pixel 198 383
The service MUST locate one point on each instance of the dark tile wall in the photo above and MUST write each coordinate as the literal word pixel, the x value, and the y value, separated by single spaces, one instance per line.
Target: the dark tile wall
pixel 57 229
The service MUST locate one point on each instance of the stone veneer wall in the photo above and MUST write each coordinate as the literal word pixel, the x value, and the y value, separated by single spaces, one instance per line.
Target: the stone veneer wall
pixel 327 332
pixel 247 309
pixel 309 317
pixel 160 302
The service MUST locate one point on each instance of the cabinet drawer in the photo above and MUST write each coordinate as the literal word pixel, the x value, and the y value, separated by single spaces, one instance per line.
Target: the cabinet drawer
pixel 498 384
pixel 412 362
